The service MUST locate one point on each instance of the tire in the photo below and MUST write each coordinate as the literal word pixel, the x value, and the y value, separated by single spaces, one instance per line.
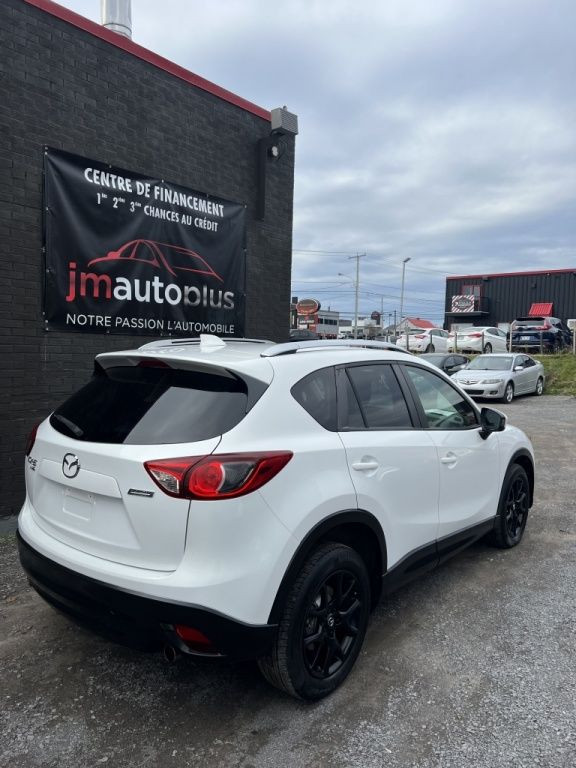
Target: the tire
pixel 512 508
pixel 508 395
pixel 539 387
pixel 430 348
pixel 323 624
pixel 487 348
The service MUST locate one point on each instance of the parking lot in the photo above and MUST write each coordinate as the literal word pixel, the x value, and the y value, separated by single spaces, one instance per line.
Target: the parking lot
pixel 472 666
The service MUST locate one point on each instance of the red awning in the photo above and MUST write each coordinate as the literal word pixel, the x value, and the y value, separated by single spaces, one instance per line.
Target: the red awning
pixel 541 310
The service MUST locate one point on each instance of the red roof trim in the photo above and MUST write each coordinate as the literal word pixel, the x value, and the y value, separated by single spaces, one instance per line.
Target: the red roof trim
pixel 513 274
pixel 146 55
pixel 418 323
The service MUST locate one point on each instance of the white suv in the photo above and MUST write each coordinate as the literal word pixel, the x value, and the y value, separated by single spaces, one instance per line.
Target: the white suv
pixel 250 499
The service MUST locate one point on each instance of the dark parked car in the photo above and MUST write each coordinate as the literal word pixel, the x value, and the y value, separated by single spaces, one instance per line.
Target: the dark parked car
pixel 301 334
pixel 550 333
pixel 447 363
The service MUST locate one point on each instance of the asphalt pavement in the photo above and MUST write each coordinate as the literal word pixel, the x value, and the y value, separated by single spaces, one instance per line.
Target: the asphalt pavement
pixel 472 666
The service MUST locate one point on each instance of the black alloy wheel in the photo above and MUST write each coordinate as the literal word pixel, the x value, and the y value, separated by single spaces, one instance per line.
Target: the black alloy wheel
pixel 331 624
pixel 323 624
pixel 513 508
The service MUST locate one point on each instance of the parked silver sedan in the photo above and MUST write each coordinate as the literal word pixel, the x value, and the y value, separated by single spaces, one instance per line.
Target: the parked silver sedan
pixel 501 376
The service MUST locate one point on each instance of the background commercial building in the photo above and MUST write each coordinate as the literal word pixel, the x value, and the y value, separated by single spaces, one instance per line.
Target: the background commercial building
pixel 496 300
pixel 78 96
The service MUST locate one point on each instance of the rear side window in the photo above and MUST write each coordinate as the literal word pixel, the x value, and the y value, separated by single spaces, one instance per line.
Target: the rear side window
pixel 316 393
pixel 151 406
pixel 376 400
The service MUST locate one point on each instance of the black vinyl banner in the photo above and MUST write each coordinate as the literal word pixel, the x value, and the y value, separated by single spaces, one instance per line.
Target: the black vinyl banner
pixel 130 254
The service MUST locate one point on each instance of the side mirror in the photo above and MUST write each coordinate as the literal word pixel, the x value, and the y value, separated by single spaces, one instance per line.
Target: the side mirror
pixel 518 367
pixel 491 421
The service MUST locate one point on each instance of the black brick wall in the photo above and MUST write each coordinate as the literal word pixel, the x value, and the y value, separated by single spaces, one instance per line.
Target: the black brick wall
pixel 66 88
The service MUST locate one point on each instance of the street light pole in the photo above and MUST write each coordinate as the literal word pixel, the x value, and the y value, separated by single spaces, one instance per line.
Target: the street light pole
pixel 402 288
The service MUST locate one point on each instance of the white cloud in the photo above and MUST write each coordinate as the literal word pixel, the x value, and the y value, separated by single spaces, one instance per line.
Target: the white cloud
pixel 441 130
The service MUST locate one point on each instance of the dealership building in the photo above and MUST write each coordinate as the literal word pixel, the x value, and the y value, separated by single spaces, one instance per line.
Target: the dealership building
pixel 138 200
pixel 497 300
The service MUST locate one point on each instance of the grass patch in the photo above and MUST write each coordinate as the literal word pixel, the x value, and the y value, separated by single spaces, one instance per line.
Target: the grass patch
pixel 560 373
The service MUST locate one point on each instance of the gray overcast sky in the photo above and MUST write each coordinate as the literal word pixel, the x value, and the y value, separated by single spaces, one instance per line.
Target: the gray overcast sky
pixel 440 130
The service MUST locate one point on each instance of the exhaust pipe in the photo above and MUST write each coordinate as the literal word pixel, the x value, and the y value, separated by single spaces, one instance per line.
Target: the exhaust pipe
pixel 171 654
pixel 117 16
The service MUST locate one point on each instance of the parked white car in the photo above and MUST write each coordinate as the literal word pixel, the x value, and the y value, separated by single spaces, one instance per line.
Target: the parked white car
pixel 478 339
pixel 252 500
pixel 425 340
pixel 502 376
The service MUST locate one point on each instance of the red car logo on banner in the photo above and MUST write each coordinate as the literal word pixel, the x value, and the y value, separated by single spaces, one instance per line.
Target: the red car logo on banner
pixel 173 258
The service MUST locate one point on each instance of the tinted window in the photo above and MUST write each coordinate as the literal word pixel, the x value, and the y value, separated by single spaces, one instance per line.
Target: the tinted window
pixel 379 397
pixel 316 393
pixel 149 405
pixel 444 407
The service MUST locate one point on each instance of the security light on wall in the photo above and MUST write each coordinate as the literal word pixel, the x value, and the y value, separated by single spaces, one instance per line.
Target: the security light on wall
pixel 283 124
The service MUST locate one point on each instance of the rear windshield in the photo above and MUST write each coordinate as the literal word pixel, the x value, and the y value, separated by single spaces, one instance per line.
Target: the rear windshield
pixel 530 322
pixel 151 406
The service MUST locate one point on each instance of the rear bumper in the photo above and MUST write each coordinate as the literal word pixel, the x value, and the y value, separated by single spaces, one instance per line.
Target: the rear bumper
pixel 535 344
pixel 138 621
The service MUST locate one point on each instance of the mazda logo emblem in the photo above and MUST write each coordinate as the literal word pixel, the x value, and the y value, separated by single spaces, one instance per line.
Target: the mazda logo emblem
pixel 70 466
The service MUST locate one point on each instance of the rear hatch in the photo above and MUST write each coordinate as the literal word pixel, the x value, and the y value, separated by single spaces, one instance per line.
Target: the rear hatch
pixel 90 488
pixel 530 330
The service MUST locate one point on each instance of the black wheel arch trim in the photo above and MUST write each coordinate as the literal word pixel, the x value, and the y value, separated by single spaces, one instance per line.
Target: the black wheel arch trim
pixel 320 532
pixel 523 458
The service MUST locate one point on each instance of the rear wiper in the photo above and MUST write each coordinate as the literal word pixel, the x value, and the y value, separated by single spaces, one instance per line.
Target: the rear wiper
pixel 74 428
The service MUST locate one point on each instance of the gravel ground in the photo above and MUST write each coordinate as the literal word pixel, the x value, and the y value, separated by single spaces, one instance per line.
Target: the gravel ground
pixel 472 666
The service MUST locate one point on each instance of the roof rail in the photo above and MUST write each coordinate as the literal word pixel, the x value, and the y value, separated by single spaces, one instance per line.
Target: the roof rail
pixel 291 347
pixel 167 342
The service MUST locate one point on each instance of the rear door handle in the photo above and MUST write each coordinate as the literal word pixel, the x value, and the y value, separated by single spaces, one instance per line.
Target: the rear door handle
pixel 364 465
pixel 449 459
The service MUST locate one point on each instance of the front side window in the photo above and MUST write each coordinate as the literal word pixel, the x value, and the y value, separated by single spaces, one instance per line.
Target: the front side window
pixel 374 399
pixel 443 406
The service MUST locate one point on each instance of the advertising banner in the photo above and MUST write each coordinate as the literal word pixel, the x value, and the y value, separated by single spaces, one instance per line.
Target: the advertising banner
pixel 129 254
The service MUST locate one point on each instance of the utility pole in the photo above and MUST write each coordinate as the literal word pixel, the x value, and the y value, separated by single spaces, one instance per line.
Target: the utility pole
pixel 357 290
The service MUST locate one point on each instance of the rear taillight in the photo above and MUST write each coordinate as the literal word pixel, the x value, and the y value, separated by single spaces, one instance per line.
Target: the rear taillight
pixel 474 335
pixel 31 439
pixel 216 476
pixel 420 336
